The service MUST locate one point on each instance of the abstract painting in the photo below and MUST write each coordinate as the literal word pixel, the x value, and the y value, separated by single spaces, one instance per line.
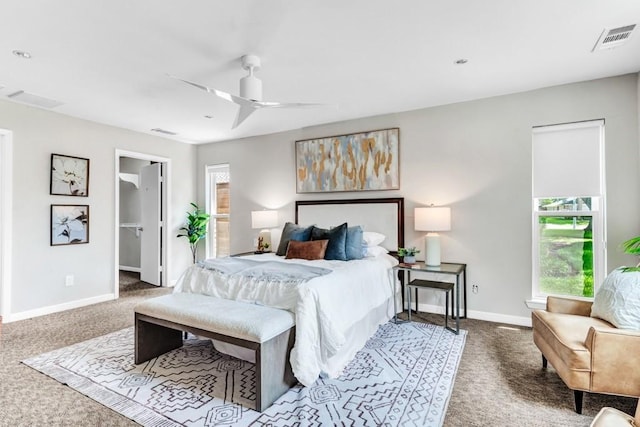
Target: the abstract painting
pixel 362 161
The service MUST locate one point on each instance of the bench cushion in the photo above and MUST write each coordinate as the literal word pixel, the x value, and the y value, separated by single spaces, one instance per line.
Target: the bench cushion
pixel 237 319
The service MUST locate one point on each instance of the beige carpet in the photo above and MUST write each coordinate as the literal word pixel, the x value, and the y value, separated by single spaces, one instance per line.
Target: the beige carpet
pixel 500 381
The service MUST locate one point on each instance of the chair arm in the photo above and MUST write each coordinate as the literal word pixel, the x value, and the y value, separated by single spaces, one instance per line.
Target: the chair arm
pixel 569 306
pixel 614 360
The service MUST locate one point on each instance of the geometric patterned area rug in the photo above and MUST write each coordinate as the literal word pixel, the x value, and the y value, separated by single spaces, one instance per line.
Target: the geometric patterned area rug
pixel 402 377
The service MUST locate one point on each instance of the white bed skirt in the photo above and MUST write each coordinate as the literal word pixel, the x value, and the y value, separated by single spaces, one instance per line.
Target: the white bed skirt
pixel 356 338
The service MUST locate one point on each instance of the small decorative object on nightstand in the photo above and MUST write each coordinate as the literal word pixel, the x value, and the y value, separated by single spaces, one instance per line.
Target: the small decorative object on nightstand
pixel 264 220
pixel 408 254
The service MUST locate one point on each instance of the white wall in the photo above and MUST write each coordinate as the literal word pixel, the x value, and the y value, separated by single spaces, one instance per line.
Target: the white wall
pixel 39 270
pixel 473 156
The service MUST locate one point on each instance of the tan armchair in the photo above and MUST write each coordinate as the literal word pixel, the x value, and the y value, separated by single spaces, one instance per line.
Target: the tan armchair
pixel 588 353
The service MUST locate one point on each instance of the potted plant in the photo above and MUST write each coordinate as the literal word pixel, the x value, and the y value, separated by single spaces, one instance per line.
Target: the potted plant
pixel 195 228
pixel 408 254
pixel 632 247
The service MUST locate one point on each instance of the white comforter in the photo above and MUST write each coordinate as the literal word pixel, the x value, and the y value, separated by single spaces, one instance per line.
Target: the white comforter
pixel 325 307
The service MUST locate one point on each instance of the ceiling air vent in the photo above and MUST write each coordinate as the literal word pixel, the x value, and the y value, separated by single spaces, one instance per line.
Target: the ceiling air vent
pixel 614 38
pixel 166 132
pixel 38 101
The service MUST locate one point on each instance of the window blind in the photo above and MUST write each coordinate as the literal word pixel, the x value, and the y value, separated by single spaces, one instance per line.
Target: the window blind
pixel 568 160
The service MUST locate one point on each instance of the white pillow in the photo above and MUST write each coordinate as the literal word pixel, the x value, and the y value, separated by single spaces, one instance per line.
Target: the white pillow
pixel 374 251
pixel 371 238
pixel 618 300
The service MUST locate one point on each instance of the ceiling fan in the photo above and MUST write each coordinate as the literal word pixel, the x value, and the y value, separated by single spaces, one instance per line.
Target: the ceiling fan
pixel 250 98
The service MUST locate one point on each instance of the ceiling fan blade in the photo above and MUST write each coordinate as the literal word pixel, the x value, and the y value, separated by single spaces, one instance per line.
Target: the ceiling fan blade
pixel 272 104
pixel 243 113
pixel 219 93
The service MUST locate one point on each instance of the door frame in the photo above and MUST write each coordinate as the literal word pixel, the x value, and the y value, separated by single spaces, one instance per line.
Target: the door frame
pixel 6 221
pixel 166 222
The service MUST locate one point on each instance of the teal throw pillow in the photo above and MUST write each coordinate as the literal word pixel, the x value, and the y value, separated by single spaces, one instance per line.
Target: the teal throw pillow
pixel 354 243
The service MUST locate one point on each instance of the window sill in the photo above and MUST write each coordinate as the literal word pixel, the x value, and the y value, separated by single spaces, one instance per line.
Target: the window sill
pixel 536 303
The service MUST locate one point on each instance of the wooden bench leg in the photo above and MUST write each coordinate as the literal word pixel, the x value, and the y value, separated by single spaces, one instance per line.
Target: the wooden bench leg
pixel 274 375
pixel 152 340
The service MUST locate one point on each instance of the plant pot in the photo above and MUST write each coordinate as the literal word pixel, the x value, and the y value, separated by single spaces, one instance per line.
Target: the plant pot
pixel 409 259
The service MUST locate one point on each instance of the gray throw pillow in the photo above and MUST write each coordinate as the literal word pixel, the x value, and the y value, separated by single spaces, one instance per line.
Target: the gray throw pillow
pixel 292 231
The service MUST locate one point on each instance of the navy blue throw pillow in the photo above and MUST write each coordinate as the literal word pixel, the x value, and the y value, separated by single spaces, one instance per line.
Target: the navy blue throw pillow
pixel 337 236
pixel 292 231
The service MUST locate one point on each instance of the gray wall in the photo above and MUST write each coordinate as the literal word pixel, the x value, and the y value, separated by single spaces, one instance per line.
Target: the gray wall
pixel 39 270
pixel 474 157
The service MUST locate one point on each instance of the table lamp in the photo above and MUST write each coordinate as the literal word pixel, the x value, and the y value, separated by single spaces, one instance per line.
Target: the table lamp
pixel 264 221
pixel 432 219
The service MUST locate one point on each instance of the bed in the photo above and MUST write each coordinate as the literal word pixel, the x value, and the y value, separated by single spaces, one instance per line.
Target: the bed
pixel 339 306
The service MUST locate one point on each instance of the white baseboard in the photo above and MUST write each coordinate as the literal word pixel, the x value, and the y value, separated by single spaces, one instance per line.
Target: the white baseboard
pixel 127 268
pixel 14 317
pixel 480 315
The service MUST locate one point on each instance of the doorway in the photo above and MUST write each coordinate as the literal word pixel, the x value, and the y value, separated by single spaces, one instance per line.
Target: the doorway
pixel 142 200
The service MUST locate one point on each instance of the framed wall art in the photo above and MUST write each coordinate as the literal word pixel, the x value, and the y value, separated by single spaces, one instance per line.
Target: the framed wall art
pixel 362 161
pixel 69 175
pixel 69 224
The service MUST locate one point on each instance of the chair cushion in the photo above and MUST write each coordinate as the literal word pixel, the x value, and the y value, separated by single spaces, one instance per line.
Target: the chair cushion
pixel 566 334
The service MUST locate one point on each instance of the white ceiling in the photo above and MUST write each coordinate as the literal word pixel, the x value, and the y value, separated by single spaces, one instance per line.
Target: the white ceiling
pixel 107 60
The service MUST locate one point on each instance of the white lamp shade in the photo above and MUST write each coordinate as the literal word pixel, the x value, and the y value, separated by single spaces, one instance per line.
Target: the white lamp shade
pixel 432 219
pixel 264 219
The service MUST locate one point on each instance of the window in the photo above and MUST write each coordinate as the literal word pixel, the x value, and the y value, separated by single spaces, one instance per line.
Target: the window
pixel 568 209
pixel 218 206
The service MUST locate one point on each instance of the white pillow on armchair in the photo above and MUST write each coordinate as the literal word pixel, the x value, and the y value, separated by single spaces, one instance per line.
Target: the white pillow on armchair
pixel 618 300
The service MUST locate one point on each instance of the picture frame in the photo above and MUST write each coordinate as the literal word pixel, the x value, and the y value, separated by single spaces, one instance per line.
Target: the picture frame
pixel 69 224
pixel 364 161
pixel 69 176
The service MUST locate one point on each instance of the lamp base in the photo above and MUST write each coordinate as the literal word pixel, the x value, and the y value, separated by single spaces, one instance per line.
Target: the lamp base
pixel 432 249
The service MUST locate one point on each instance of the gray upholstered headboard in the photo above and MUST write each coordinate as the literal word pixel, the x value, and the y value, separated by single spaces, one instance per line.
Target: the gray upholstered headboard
pixel 385 215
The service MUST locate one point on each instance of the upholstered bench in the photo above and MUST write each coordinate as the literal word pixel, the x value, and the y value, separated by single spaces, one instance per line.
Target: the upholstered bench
pixel 269 332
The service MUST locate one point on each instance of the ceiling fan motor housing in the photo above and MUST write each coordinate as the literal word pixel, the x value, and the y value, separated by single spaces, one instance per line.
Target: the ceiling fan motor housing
pixel 251 88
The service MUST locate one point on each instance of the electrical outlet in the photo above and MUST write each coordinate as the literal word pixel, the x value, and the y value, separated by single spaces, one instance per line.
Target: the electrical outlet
pixel 68 280
pixel 474 289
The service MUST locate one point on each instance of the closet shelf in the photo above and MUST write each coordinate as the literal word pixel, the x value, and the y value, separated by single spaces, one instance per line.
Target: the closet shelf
pixel 131 225
pixel 130 177
pixel 137 228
